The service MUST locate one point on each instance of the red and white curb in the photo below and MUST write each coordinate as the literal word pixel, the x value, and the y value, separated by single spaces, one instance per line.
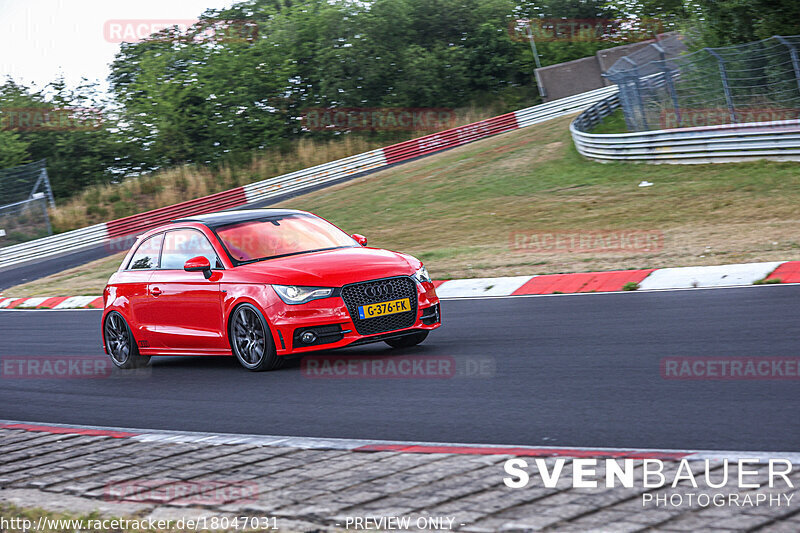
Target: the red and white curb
pixel 648 279
pixel 55 302
pixel 585 282
pixel 365 445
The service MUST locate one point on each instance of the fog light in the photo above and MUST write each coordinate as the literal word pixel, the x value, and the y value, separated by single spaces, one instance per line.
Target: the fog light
pixel 308 337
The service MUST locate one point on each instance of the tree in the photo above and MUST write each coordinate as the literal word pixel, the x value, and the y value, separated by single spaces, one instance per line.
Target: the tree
pixel 13 150
pixel 725 22
pixel 71 128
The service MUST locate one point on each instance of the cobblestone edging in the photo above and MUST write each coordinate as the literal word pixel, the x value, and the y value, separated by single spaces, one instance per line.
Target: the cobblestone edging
pixel 319 488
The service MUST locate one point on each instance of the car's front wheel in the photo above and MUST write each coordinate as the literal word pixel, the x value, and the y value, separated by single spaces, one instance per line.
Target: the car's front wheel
pixel 120 344
pixel 407 341
pixel 251 340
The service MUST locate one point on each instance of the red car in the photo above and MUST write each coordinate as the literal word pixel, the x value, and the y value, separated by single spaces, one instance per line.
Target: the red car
pixel 261 285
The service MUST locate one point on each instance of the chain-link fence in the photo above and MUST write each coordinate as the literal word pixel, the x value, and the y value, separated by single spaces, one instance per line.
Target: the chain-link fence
pixel 25 195
pixel 753 82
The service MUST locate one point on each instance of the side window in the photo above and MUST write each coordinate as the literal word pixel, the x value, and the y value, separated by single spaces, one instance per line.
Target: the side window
pixel 182 245
pixel 146 256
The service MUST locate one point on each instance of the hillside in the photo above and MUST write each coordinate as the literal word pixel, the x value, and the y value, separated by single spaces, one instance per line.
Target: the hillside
pixel 458 210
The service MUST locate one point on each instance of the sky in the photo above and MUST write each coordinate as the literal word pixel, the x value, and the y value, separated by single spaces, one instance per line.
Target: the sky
pixel 41 40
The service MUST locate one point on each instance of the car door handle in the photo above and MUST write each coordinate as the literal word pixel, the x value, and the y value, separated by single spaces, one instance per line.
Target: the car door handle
pixel 156 291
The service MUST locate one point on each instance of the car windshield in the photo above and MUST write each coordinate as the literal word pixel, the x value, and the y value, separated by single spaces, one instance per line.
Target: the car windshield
pixel 279 236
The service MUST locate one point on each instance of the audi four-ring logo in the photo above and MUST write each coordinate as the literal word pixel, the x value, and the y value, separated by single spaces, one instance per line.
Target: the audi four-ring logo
pixel 378 291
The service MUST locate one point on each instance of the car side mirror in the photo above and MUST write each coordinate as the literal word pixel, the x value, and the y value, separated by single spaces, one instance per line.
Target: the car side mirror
pixel 360 239
pixel 198 264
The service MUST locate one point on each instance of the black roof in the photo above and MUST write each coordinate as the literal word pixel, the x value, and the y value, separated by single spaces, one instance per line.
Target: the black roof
pixel 223 218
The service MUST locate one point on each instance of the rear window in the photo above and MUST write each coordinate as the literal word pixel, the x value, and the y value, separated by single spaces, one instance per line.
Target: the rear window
pixel 146 256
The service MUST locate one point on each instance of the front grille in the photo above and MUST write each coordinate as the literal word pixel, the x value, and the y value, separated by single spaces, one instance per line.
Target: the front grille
pixel 364 293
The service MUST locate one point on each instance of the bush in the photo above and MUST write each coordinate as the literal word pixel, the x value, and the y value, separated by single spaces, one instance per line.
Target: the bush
pixel 96 210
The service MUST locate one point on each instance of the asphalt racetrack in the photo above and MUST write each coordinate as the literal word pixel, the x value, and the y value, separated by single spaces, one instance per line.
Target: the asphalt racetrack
pixel 565 370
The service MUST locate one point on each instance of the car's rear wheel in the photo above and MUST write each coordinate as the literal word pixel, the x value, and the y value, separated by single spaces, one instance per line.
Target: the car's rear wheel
pixel 251 340
pixel 120 344
pixel 407 341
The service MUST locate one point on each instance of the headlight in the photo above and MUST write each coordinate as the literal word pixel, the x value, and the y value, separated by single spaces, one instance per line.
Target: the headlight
pixel 294 295
pixel 422 275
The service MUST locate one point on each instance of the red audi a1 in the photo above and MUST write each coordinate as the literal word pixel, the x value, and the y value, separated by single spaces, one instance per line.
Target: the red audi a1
pixel 261 284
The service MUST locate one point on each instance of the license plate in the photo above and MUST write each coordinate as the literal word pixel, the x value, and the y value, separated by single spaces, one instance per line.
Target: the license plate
pixel 384 308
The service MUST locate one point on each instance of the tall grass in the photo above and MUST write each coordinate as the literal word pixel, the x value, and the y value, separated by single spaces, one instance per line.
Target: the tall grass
pixel 101 203
pixel 170 186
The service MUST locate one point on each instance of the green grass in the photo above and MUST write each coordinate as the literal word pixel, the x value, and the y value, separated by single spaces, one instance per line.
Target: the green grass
pixel 458 210
pixel 613 123
pixel 18 517
pixel 85 280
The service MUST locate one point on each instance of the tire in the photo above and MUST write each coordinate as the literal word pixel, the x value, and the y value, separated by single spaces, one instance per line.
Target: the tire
pixel 120 344
pixel 251 340
pixel 407 341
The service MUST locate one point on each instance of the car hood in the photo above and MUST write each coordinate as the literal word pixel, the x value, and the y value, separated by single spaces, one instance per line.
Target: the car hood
pixel 331 268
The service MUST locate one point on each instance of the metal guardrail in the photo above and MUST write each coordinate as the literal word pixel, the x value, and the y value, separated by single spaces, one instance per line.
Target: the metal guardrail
pixel 71 241
pixel 116 233
pixel 562 107
pixel 590 118
pixel 313 177
pixel 727 143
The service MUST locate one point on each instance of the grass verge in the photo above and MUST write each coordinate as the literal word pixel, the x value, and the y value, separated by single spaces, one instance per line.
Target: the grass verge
pixel 613 123
pixel 85 280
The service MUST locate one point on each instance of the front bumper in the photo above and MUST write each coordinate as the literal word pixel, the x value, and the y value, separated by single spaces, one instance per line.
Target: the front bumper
pixel 333 326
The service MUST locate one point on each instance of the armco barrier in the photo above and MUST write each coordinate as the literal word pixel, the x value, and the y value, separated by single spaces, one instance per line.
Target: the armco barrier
pixel 71 241
pixel 150 219
pixel 296 182
pixel 778 141
pixel 308 178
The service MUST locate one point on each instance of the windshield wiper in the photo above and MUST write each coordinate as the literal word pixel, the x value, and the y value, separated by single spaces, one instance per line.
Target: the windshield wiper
pixel 291 254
